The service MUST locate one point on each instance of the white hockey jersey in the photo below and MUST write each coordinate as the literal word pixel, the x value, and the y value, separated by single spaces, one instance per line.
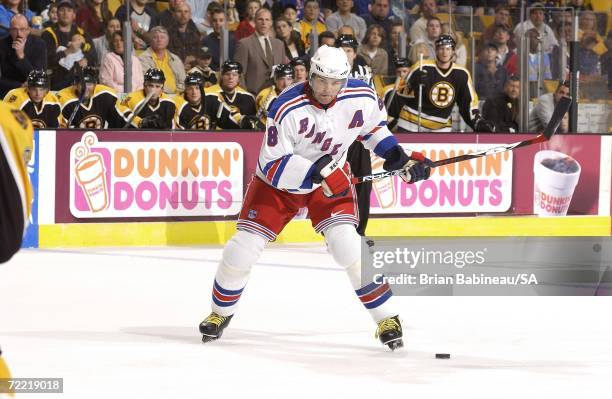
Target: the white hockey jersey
pixel 299 131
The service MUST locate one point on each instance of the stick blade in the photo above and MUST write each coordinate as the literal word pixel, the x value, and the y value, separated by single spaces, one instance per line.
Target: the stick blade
pixel 560 110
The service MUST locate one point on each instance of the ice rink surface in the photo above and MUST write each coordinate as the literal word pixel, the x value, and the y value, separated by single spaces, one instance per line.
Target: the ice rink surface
pixel 122 323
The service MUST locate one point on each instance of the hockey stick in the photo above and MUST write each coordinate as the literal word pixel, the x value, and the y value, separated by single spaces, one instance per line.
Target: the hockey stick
pixel 560 110
pixel 420 93
pixel 138 110
pixel 398 79
pixel 78 104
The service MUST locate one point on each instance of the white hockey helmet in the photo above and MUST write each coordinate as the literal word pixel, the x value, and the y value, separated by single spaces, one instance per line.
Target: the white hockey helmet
pixel 330 62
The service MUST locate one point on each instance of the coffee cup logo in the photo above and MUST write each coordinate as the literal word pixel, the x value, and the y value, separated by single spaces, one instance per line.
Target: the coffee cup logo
pixel 384 189
pixel 555 178
pixel 91 173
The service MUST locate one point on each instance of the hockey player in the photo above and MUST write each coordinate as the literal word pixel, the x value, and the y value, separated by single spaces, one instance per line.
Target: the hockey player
pixel 402 68
pixel 35 100
pixel 301 66
pixel 240 102
pixel 159 112
pixel 283 78
pixel 359 68
pixel 302 163
pixel 444 84
pixel 195 111
pixel 96 105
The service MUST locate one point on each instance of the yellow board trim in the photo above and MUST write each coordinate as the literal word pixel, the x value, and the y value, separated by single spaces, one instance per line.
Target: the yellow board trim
pixel 299 231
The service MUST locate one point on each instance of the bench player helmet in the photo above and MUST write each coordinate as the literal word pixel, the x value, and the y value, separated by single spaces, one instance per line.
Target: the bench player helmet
pixel 446 40
pixel 38 78
pixel 347 41
pixel 230 65
pixel 155 75
pixel 330 62
pixel 401 62
pixel 282 70
pixel 88 74
pixel 194 79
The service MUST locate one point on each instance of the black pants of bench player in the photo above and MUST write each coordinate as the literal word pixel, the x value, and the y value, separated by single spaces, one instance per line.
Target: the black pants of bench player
pixel 11 212
pixel 361 164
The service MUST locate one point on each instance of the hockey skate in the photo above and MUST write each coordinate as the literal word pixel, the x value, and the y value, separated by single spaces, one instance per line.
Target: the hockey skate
pixel 212 327
pixel 389 332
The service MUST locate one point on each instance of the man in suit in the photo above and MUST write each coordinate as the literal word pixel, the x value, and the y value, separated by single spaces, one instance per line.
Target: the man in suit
pixel 20 53
pixel 258 53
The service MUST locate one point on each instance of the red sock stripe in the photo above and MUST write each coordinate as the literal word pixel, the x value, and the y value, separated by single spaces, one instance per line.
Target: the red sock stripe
pixel 374 294
pixel 225 298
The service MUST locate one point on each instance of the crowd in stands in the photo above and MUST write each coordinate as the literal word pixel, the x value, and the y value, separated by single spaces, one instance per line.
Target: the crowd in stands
pixel 182 37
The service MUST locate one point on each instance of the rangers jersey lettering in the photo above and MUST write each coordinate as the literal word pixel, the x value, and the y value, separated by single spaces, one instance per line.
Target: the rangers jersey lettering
pixel 43 116
pixel 299 131
pixel 440 93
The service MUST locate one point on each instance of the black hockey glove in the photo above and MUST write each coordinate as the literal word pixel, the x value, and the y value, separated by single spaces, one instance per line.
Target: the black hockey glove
pixel 330 174
pixel 416 167
pixel 251 122
pixel 151 122
pixel 483 125
pixel 419 77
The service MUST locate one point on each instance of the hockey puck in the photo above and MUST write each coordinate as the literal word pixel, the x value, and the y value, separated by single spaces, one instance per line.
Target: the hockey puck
pixel 442 355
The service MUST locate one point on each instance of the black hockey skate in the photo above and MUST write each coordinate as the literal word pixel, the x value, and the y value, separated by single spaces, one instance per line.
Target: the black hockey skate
pixel 212 327
pixel 389 332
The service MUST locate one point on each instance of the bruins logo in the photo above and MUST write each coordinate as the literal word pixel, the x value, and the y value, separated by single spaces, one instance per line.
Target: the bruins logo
pixel 442 94
pixel 38 124
pixel 200 122
pixel 91 122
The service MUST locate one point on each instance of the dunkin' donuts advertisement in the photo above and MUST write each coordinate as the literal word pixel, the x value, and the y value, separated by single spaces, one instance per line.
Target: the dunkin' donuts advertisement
pixel 154 179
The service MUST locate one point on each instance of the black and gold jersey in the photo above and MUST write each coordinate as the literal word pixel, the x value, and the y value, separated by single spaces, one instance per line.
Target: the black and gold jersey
pixel 102 110
pixel 208 115
pixel 240 103
pixel 45 115
pixel 441 91
pixel 264 100
pixel 16 140
pixel 164 108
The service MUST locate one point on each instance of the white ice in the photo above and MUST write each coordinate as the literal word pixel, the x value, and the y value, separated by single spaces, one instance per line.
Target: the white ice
pixel 122 323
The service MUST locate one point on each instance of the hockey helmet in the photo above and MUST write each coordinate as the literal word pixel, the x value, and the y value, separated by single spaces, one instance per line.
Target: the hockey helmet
pixel 154 75
pixel 282 70
pixel 88 74
pixel 194 79
pixel 330 62
pixel 347 41
pixel 446 40
pixel 301 61
pixel 401 62
pixel 38 78
pixel 230 65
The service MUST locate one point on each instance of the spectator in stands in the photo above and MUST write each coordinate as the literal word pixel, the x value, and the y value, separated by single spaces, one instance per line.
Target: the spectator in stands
pixel 20 53
pixel 379 15
pixel 290 13
pixel 212 41
pixel 201 65
pixel 112 69
pixel 64 44
pixel 372 52
pixel 259 52
pixel 158 56
pixel 142 15
pixel 184 36
pixel 564 36
pixel 311 15
pixel 587 25
pixel 535 58
pixel 52 15
pixel 433 32
pixel 206 26
pixel 502 18
pixel 415 51
pixel 502 109
pixel 294 47
pixel 247 26
pixel 588 60
pixel 506 56
pixel 393 50
pixel 92 17
pixel 102 43
pixel 418 31
pixel 460 50
pixel 166 17
pixel 327 38
pixel 198 14
pixel 8 9
pixel 344 16
pixel 301 67
pixel 536 21
pixel 545 105
pixel 489 77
